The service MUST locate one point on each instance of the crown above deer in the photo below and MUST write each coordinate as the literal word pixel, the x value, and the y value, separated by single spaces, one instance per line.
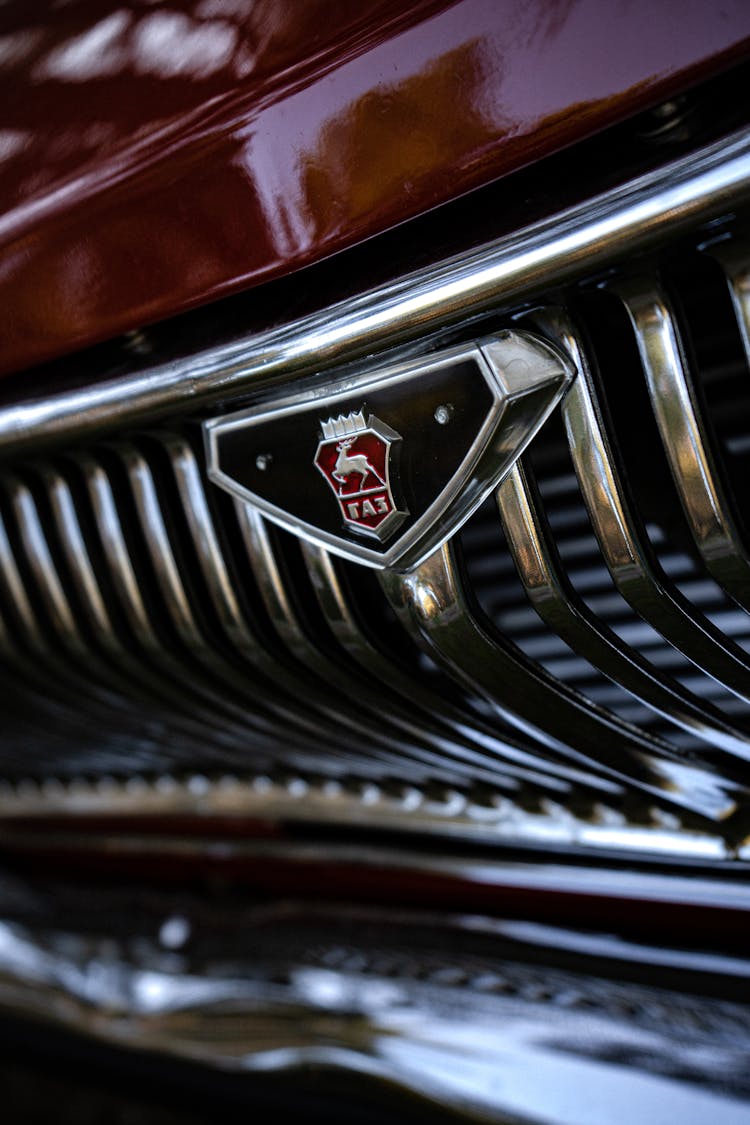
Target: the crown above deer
pixel 343 426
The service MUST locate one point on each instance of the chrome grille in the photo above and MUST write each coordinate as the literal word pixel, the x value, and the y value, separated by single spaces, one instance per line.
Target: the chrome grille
pixel 122 601
pixel 582 659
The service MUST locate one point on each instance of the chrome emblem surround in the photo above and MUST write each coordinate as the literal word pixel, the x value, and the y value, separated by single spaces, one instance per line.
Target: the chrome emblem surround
pixel 354 456
pixel 408 451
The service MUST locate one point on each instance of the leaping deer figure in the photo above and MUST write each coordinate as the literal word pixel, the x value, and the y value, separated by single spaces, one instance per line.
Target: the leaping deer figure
pixel 346 465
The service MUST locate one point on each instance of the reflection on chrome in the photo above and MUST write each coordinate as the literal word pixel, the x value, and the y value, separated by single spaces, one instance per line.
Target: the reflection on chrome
pixel 583 238
pixel 514 1023
pixel 687 441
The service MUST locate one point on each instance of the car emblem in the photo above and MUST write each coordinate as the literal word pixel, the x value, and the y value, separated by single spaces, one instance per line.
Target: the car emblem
pixel 354 456
pixel 382 466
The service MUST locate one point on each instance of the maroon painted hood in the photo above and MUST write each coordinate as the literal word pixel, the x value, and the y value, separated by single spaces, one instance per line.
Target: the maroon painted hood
pixel 154 158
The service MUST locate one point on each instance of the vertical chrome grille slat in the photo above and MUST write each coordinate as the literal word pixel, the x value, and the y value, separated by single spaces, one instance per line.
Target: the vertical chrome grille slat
pixel 16 597
pixel 238 698
pixel 433 600
pixel 733 259
pixel 48 584
pixel 244 714
pixel 686 441
pixel 459 740
pixel 72 663
pixel 193 698
pixel 341 617
pixel 27 698
pixel 145 684
pixel 280 689
pixel 432 592
pixel 384 730
pixel 564 612
pixel 636 572
pixel 318 714
pixel 83 701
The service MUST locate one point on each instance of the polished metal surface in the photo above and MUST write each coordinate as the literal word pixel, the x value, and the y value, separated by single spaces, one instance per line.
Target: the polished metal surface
pixel 686 441
pixel 492 816
pixel 433 601
pixel 710 182
pixel 737 271
pixel 493 1020
pixel 555 599
pixel 573 672
pixel 627 552
pixel 193 650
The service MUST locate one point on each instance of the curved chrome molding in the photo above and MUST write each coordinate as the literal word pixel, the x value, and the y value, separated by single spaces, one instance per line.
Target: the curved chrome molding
pixel 704 184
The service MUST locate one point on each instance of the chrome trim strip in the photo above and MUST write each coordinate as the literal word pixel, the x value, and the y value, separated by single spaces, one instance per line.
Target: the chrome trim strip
pixel 12 586
pixel 376 720
pixel 27 695
pixel 112 657
pixel 305 691
pixel 106 660
pixel 242 699
pixel 63 676
pixel 406 807
pixel 244 716
pixel 196 700
pixel 276 688
pixel 703 184
pixel 734 262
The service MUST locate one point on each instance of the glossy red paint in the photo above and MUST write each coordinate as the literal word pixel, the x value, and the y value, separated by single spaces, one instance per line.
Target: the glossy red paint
pixel 155 158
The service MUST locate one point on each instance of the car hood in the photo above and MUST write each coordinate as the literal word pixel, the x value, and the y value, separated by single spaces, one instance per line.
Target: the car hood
pixel 153 159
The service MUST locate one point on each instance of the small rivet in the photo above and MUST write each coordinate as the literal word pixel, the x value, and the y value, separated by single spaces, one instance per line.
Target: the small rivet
pixel 443 414
pixel 263 461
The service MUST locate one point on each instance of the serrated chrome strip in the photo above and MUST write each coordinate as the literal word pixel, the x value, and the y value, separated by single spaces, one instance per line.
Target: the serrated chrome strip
pixel 409 808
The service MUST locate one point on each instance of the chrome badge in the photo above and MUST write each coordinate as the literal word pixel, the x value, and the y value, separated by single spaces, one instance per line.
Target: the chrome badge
pixel 383 466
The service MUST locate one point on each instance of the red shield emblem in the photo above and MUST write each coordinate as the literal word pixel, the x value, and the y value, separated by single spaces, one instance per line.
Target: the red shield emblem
pixel 355 458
